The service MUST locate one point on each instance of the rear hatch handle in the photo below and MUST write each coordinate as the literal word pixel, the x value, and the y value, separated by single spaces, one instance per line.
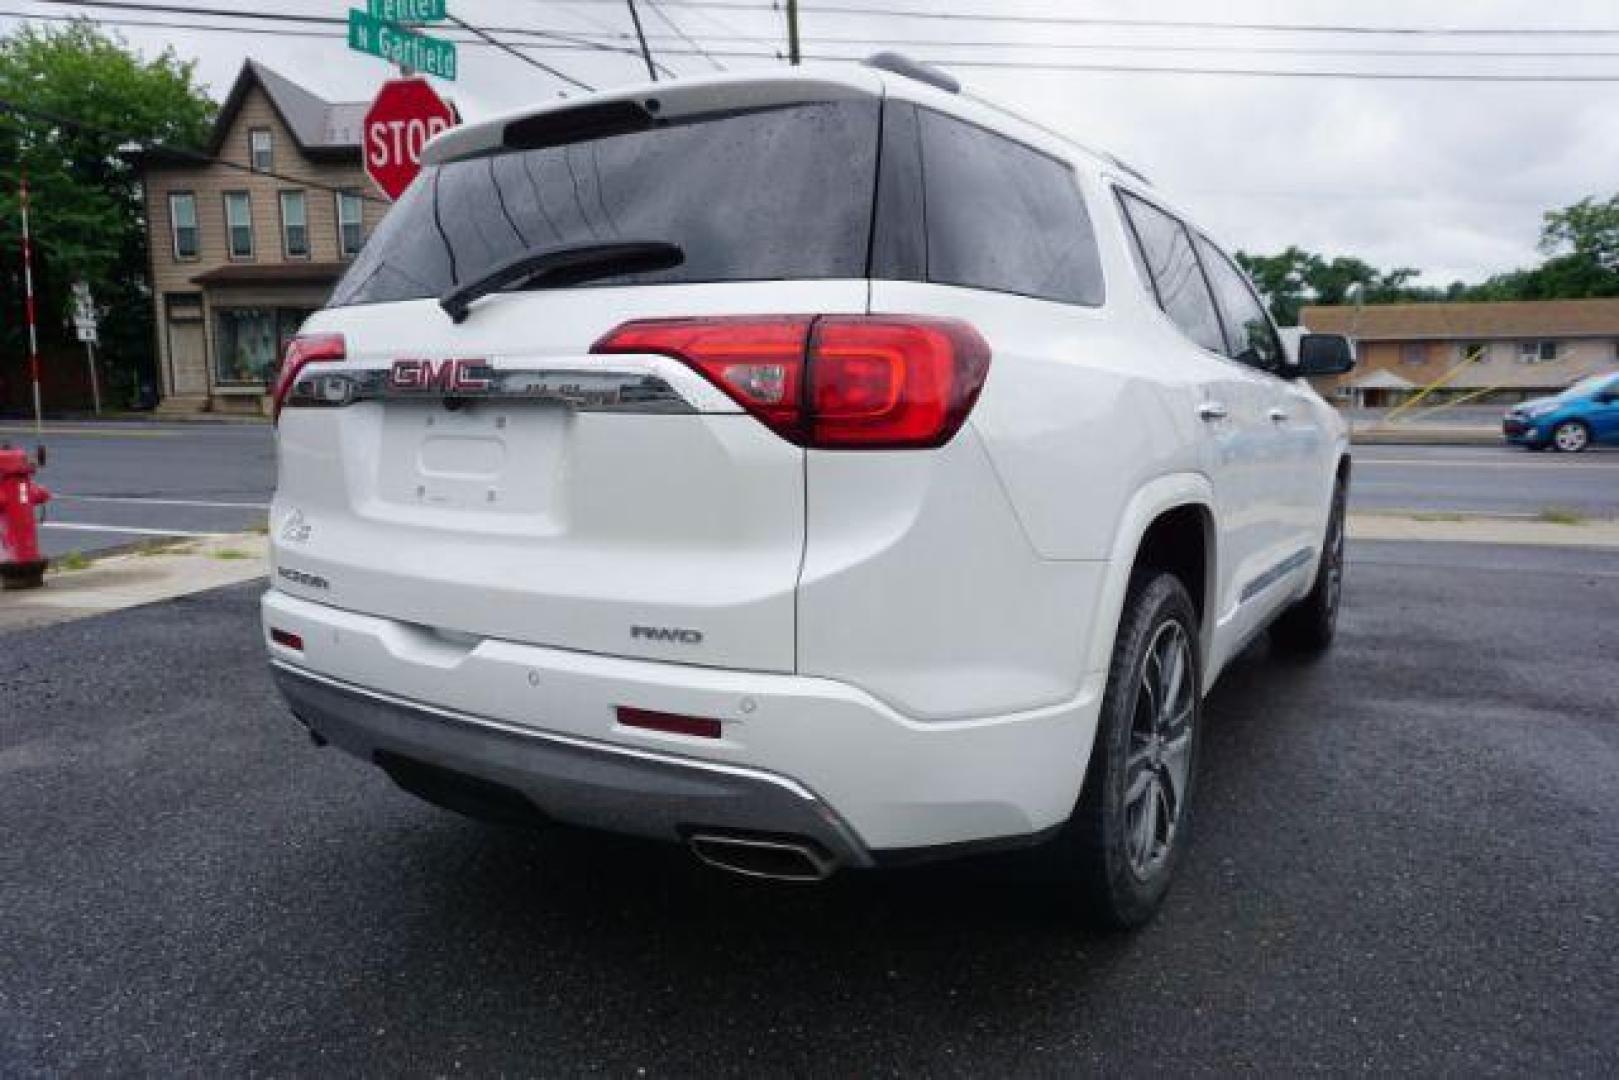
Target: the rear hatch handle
pixel 567 264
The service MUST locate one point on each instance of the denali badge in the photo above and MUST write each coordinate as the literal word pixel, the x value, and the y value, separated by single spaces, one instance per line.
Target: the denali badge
pixel 446 376
pixel 668 633
pixel 298 577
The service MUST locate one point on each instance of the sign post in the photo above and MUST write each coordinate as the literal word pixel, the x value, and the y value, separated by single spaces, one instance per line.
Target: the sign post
pixel 404 116
pixel 84 321
pixel 28 305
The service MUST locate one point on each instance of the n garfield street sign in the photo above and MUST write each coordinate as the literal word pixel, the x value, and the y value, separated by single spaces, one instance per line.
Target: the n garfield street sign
pixel 394 43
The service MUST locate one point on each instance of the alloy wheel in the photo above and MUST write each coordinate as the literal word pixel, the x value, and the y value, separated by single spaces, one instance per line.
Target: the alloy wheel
pixel 1570 438
pixel 1159 763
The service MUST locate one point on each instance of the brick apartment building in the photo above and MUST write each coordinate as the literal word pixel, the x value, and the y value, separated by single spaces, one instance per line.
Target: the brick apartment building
pixel 240 256
pixel 1492 352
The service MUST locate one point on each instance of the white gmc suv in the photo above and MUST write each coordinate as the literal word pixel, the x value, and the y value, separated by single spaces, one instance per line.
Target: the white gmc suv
pixel 818 469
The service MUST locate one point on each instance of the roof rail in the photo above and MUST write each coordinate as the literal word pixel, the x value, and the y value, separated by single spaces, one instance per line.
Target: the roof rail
pixel 900 64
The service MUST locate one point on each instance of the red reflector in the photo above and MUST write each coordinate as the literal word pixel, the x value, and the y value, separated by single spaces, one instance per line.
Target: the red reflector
pixel 286 639
pixel 669 722
pixel 830 382
pixel 301 350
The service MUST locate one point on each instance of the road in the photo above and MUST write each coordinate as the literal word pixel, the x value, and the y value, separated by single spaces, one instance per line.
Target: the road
pixel 118 484
pixel 1405 860
pixel 123 483
pixel 1485 479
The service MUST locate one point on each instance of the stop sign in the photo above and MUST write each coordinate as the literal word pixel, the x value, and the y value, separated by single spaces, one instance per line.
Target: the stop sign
pixel 405 114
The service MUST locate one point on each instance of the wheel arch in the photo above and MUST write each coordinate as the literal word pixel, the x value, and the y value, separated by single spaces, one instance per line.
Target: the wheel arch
pixel 1170 523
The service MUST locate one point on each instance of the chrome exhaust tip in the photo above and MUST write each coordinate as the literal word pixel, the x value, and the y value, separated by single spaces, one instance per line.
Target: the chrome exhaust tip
pixel 779 859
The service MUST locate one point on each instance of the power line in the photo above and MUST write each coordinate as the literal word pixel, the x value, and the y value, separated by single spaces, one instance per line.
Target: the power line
pixel 587 41
pixel 531 61
pixel 944 61
pixel 195 156
pixel 1172 24
pixel 658 11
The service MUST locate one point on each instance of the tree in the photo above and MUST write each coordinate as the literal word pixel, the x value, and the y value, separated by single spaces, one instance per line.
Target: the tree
pixel 75 100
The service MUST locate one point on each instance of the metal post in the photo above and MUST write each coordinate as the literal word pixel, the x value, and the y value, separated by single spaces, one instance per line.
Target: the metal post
pixel 28 306
pixel 95 383
pixel 792 32
pixel 646 53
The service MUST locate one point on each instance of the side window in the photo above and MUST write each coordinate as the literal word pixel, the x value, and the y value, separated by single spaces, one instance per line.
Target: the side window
pixel 1004 216
pixel 1171 270
pixel 1250 337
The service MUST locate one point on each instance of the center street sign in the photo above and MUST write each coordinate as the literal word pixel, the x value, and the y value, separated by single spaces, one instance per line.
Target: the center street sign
pixel 394 43
pixel 407 11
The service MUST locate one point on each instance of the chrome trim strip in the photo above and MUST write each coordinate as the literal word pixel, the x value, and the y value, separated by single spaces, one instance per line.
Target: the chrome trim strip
pixel 506 728
pixel 1276 573
pixel 605 390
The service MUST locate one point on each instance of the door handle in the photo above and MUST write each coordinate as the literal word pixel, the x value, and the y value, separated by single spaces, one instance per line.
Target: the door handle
pixel 1278 415
pixel 1212 410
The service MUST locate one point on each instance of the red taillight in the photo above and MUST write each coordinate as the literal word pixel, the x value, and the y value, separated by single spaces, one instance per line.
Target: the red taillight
pixel 834 382
pixel 286 639
pixel 672 723
pixel 301 350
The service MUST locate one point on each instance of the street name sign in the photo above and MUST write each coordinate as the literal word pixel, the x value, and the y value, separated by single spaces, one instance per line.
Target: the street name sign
pixel 404 116
pixel 407 11
pixel 394 43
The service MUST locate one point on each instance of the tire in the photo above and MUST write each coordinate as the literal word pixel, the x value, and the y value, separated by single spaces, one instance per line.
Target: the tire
pixel 1110 855
pixel 1308 627
pixel 1571 437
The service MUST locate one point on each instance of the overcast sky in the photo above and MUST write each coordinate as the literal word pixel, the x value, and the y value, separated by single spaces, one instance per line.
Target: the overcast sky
pixel 1448 177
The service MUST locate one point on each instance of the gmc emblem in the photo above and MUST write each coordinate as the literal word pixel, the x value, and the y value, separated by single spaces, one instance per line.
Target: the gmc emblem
pixel 445 376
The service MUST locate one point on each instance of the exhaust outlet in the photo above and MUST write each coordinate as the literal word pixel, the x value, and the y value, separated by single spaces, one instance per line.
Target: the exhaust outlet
pixel 763 857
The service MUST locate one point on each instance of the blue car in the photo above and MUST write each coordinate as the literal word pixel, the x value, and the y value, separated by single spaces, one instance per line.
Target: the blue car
pixel 1585 413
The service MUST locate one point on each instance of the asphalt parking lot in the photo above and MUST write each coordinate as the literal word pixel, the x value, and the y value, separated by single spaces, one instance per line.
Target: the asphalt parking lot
pixel 1406 860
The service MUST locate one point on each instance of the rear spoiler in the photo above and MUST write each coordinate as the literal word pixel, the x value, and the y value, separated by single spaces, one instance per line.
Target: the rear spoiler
pixel 644 106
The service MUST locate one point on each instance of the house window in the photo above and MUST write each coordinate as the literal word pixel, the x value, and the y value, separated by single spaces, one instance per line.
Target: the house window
pixel 183 223
pixel 1476 351
pixel 349 236
pixel 1413 352
pixel 294 225
pixel 248 342
pixel 261 149
pixel 1537 352
pixel 239 224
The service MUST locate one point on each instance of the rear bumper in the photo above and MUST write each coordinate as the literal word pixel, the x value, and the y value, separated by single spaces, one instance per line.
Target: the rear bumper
pixel 586 783
pixel 797 755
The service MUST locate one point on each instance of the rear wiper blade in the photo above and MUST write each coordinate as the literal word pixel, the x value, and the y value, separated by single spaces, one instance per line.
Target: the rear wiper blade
pixel 564 265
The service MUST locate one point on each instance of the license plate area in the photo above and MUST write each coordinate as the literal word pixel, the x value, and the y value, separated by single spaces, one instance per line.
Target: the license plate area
pixel 494 457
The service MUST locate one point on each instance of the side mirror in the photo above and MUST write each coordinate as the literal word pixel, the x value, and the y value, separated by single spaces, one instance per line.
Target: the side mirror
pixel 1324 354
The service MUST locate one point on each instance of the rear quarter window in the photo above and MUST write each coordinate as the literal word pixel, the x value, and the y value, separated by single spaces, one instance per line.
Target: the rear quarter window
pixel 770 194
pixel 1003 216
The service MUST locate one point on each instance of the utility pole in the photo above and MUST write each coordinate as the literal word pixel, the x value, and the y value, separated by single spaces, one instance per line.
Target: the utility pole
pixel 646 53
pixel 28 305
pixel 792 32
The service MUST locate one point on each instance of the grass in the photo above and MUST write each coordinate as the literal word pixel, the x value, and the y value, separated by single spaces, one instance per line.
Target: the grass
pixel 73 560
pixel 229 554
pixel 1438 515
pixel 162 547
pixel 1560 515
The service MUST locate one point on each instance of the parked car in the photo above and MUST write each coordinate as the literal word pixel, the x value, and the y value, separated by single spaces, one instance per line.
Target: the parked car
pixel 661 466
pixel 1585 413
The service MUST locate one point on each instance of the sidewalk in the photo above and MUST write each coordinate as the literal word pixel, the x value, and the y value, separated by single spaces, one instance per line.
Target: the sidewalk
pixel 160 571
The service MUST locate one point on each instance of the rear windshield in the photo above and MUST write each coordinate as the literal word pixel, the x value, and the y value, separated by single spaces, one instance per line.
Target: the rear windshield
pixel 770 194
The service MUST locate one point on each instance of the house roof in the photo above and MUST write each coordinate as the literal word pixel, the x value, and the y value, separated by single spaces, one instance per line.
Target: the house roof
pixel 318 126
pixel 1381 379
pixel 1515 319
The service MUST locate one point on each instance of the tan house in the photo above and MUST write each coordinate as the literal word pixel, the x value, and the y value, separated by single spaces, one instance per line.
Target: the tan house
pixel 244 249
pixel 1487 352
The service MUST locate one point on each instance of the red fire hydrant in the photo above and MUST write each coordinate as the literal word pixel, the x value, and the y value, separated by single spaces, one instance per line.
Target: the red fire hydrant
pixel 21 565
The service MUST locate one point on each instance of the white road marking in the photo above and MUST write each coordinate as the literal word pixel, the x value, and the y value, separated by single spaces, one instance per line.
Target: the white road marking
pixel 1475 463
pixel 79 526
pixel 141 500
